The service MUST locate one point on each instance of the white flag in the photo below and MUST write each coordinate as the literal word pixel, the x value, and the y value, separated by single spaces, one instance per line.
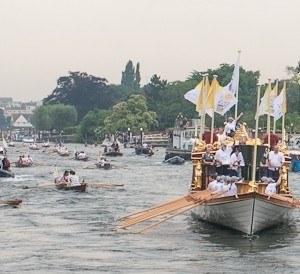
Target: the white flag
pixel 280 104
pixel 224 101
pixel 5 144
pixel 233 86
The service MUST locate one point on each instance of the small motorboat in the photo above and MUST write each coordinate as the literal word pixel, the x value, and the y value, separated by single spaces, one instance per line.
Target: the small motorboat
pixel 6 174
pixel 176 160
pixel 79 188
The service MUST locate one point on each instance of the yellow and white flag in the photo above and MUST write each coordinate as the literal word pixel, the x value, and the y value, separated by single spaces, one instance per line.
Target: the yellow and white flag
pixel 198 95
pixel 280 103
pixel 265 102
pixel 224 100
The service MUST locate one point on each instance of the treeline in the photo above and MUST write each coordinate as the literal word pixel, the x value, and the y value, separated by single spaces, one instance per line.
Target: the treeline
pixel 97 108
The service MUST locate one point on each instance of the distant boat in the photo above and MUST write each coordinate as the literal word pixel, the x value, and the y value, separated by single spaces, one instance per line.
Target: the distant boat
pixel 28 140
pixel 176 160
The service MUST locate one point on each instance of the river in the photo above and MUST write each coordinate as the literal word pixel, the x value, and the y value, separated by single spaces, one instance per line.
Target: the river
pixel 56 231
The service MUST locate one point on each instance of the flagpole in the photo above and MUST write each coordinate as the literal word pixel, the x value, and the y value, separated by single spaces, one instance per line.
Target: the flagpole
pixel 255 135
pixel 237 93
pixel 203 105
pixel 269 116
pixel 276 90
pixel 213 111
pixel 283 114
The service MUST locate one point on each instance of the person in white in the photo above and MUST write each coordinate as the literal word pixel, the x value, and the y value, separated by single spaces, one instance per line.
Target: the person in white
pixel 231 124
pixel 220 186
pixel 272 185
pixel 220 134
pixel 29 159
pixel 212 183
pixel 73 180
pixel 236 163
pixel 275 162
pixel 81 155
pixel 232 191
pixel 145 145
pixel 222 159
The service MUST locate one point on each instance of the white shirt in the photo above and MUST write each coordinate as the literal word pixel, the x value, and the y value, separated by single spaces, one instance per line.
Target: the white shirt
pixel 275 160
pixel 212 185
pixel 232 190
pixel 271 189
pixel 223 156
pixel 81 155
pixel 73 180
pixel 230 126
pixel 221 136
pixel 237 160
pixel 220 187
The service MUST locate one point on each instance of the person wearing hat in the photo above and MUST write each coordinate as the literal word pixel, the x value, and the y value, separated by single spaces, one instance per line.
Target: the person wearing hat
pixel 222 159
pixel 272 186
pixel 231 124
pixel 212 182
pixel 232 191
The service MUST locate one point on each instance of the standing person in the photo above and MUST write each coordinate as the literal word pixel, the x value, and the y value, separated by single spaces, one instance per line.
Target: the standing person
pixel 263 165
pixel 275 162
pixel 236 163
pixel 209 162
pixel 231 125
pixel 222 159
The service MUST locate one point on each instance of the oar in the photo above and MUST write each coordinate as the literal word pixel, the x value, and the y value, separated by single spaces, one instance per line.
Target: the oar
pixel 44 185
pixel 104 185
pixel 90 166
pixel 11 202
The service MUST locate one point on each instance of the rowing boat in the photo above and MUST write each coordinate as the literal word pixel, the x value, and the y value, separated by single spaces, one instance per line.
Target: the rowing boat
pixel 79 188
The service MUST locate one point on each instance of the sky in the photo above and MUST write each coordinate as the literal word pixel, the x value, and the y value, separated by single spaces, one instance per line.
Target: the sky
pixel 42 40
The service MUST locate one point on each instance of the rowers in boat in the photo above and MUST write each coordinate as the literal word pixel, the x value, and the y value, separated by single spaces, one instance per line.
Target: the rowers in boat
pixel 81 156
pixel 103 163
pixel 144 149
pixel 33 146
pixel 113 150
pixel 70 181
pixel 63 151
pixel 24 161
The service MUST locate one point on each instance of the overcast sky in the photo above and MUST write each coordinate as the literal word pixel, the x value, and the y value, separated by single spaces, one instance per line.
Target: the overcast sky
pixel 41 40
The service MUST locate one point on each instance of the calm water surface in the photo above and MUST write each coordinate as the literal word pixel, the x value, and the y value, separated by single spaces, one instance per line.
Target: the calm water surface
pixel 61 232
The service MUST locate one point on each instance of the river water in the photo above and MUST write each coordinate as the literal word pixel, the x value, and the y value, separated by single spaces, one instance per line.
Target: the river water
pixel 56 231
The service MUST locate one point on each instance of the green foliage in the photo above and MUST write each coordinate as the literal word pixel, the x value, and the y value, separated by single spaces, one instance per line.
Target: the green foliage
pixel 131 114
pixel 130 77
pixel 91 123
pixel 56 117
pixel 83 91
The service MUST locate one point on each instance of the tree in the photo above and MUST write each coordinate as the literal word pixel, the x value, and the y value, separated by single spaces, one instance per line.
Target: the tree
pixel 131 114
pixel 41 118
pixel 131 78
pixel 56 117
pixel 92 124
pixel 83 91
pixel 153 91
pixel 128 76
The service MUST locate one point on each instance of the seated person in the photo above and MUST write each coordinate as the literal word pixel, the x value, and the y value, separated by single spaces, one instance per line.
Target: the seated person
pixel 272 186
pixel 29 159
pixel 81 155
pixel 64 177
pixel 72 179
pixel 212 182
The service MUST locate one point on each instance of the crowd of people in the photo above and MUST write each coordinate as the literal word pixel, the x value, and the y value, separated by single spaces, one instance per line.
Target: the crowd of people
pixel 25 160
